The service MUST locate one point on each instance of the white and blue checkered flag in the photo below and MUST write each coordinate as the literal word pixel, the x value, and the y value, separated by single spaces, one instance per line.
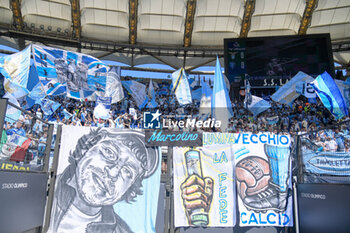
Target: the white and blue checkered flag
pixel 81 74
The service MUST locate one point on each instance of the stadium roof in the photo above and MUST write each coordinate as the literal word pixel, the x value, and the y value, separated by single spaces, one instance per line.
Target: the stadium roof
pixel 178 33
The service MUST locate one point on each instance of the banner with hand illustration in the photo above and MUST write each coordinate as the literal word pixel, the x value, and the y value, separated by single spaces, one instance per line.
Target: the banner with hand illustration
pixel 204 187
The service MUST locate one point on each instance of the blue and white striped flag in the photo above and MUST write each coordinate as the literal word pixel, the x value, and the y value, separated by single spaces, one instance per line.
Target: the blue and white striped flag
pixel 114 87
pixel 81 74
pixel 152 95
pixel 330 95
pixel 48 106
pixel 258 105
pixel 181 87
pixel 221 107
pixel 15 69
pixel 287 93
pixel 137 91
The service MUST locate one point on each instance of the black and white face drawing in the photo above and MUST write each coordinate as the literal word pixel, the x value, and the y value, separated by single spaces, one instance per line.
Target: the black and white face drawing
pixel 98 168
pixel 106 172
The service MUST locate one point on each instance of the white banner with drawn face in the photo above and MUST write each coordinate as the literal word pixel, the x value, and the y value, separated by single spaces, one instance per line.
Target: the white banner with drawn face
pixel 107 181
pixel 204 185
pixel 263 175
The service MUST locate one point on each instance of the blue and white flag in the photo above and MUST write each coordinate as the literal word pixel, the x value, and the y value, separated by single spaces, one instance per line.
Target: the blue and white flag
pixel 152 95
pixel 48 106
pixel 103 105
pixel 258 105
pixel 12 113
pixel 272 120
pixel 248 95
pixel 181 87
pixel 137 91
pixel 15 69
pixel 193 82
pixel 330 95
pixel 54 88
pixel 114 87
pixel 37 93
pixel 305 89
pixel 197 94
pixel 221 107
pixel 287 93
pixel 205 105
pixel 67 115
pixel 81 74
pixel 344 88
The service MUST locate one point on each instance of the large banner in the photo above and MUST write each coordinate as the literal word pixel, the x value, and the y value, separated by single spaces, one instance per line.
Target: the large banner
pixel 263 174
pixel 324 162
pixel 107 181
pixel 204 185
pixel 81 74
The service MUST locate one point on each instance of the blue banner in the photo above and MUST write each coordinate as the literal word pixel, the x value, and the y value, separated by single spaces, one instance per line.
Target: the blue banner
pixel 326 163
pixel 81 74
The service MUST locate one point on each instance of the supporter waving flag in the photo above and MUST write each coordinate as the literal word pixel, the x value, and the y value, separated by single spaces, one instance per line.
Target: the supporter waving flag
pixel 81 74
pixel 181 87
pixel 330 95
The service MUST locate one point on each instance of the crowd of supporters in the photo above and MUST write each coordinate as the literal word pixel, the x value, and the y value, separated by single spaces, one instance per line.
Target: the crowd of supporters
pixel 299 118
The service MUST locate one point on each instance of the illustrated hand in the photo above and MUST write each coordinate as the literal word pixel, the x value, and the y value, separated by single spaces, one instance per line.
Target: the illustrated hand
pixel 197 193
